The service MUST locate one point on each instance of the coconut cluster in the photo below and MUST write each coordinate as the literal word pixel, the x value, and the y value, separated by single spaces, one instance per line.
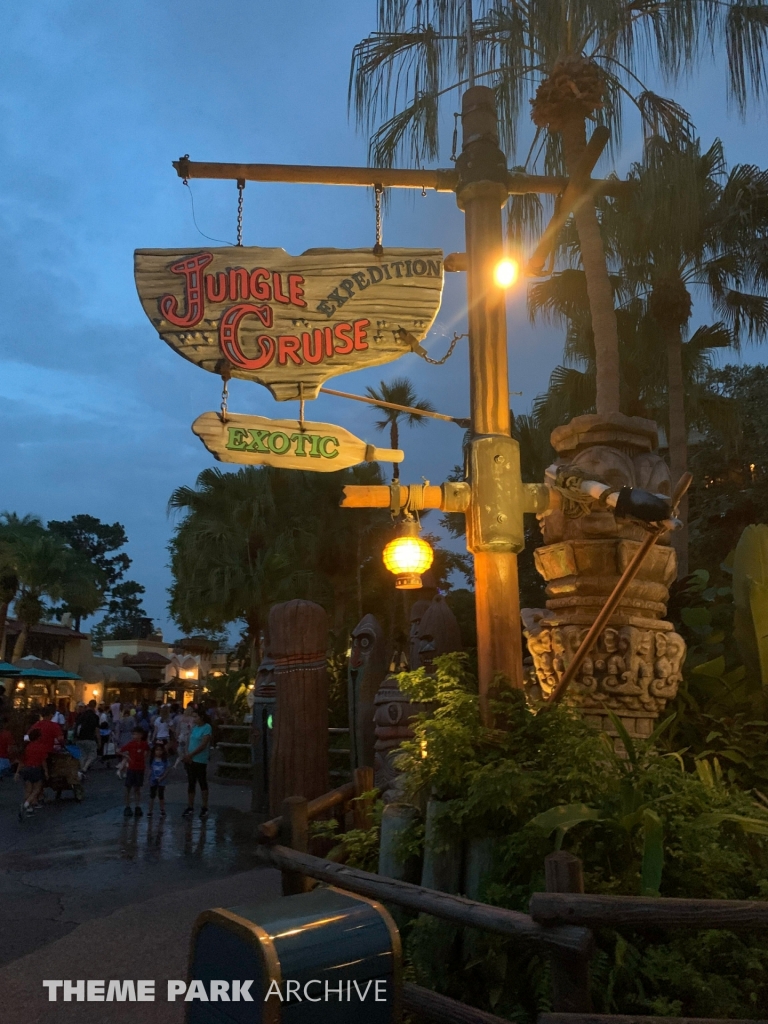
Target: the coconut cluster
pixel 574 90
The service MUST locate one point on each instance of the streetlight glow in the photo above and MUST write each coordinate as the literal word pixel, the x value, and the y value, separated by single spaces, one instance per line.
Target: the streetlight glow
pixel 505 272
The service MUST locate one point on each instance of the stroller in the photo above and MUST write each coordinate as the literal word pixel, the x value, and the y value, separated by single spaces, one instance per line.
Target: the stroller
pixel 63 773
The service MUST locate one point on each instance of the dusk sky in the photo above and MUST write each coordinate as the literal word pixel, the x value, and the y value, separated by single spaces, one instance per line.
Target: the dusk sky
pixel 97 99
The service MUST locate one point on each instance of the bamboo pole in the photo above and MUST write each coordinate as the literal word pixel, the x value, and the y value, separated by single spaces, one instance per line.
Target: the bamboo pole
pixel 481 196
pixel 618 592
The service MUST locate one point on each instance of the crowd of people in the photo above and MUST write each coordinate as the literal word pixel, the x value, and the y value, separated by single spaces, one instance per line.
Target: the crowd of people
pixel 153 738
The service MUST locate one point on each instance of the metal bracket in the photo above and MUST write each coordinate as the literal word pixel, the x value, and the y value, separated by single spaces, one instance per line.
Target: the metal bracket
pixel 495 515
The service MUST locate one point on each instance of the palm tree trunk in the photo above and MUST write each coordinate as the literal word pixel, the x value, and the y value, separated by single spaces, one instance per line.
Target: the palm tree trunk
pixel 3 622
pixel 678 438
pixel 21 641
pixel 598 282
pixel 394 437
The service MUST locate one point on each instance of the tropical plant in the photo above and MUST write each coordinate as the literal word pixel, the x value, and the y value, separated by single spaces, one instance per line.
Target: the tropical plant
pixel 689 225
pixel 574 61
pixel 12 529
pixel 645 822
pixel 399 391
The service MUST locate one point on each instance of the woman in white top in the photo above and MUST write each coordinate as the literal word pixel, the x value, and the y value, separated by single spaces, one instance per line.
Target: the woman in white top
pixel 161 729
pixel 184 727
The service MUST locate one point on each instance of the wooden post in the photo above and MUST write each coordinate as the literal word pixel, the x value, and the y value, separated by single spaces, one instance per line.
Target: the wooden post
pixel 294 832
pixel 363 809
pixel 570 972
pixel 298 632
pixel 481 193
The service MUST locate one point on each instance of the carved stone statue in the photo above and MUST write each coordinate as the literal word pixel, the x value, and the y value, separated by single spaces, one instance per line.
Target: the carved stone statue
pixel 394 712
pixel 417 612
pixel 635 667
pixel 367 668
pixel 439 633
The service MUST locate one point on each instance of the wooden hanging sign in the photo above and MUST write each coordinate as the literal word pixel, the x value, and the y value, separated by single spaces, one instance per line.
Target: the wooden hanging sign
pixel 288 444
pixel 290 322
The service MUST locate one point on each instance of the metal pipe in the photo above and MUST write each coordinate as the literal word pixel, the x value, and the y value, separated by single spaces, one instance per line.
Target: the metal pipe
pixel 391 405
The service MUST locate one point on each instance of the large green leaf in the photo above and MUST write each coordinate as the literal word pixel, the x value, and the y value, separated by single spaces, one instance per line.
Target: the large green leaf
pixel 757 826
pixel 625 737
pixel 564 817
pixel 696 618
pixel 713 669
pixel 653 853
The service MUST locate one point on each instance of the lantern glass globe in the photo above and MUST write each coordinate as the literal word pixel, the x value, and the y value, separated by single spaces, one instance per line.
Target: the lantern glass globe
pixel 408 556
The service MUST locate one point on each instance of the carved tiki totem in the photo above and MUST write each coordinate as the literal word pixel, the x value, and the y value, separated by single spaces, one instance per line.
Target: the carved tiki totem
pixel 635 666
pixel 367 668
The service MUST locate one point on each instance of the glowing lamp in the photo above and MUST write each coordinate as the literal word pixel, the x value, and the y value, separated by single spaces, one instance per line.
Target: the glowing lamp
pixel 408 556
pixel 505 273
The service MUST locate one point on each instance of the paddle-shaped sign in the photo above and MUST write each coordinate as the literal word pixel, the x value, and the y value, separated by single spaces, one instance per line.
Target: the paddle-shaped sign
pixel 290 322
pixel 289 444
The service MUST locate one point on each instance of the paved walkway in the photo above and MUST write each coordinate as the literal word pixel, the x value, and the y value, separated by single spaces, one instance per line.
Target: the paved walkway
pixel 87 893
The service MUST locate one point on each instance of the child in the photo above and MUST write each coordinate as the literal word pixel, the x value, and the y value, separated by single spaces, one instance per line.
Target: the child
pixel 7 746
pixel 136 750
pixel 32 770
pixel 158 769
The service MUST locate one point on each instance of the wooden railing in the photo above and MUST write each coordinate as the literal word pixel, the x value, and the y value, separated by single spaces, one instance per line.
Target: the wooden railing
pixel 560 922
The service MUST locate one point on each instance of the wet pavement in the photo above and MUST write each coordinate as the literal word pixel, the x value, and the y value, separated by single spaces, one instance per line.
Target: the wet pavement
pixel 72 863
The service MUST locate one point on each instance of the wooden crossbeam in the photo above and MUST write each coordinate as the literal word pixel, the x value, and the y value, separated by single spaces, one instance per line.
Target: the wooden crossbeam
pixel 441 180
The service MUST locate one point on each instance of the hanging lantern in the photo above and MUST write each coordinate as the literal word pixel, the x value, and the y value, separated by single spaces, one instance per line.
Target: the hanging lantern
pixel 408 556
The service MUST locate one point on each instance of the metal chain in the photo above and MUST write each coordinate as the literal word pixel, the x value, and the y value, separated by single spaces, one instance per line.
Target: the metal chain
pixel 240 190
pixel 455 136
pixel 224 399
pixel 378 249
pixel 448 354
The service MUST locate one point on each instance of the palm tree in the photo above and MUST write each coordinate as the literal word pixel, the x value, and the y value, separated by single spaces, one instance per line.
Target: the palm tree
pixel 228 564
pixel 688 225
pixel 399 392
pixel 12 527
pixel 573 60
pixel 48 568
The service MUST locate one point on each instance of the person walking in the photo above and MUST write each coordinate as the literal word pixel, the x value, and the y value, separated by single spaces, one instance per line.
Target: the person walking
pixel 196 763
pixel 86 736
pixel 124 728
pixel 32 770
pixel 136 752
pixel 7 747
pixel 158 772
pixel 104 729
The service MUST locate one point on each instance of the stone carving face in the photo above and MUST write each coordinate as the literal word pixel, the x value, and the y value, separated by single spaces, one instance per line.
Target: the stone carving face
pixel 438 633
pixel 418 608
pixel 364 638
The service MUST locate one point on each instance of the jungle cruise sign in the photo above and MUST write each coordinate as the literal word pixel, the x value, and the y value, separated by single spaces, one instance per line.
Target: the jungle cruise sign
pixel 290 322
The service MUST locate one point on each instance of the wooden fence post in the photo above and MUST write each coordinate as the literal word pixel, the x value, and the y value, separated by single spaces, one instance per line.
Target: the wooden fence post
pixel 298 636
pixel 362 810
pixel 294 832
pixel 570 972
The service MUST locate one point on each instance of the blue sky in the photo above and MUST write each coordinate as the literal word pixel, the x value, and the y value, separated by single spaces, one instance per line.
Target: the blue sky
pixel 96 100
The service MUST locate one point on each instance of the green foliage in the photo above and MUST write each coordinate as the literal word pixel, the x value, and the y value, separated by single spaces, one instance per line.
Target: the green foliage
pixel 231 687
pixel 96 542
pixel 750 595
pixel 125 617
pixel 644 824
pixel 357 847
pixel 721 708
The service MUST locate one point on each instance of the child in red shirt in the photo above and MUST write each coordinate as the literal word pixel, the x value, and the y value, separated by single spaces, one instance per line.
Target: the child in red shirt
pixel 7 747
pixel 136 752
pixel 33 769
